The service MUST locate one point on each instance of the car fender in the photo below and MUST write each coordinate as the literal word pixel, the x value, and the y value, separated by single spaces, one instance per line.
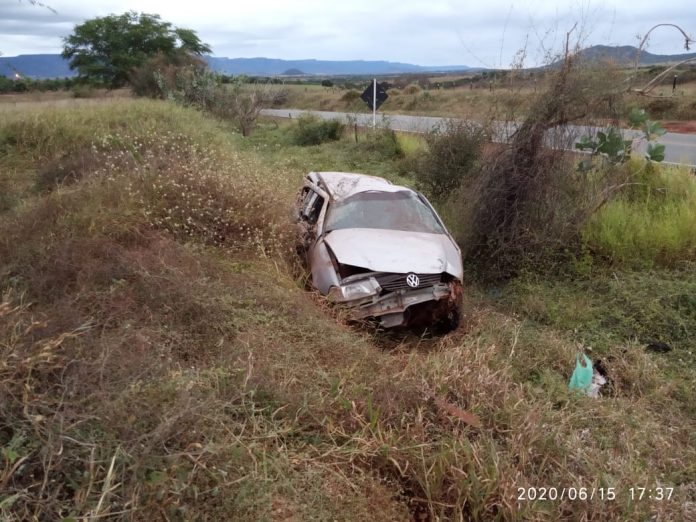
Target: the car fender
pixel 323 272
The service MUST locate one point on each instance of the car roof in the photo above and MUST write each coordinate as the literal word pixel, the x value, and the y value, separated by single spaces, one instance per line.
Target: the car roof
pixel 340 185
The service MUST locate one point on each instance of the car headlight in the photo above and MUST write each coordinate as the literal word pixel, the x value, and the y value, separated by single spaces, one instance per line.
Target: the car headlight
pixel 357 290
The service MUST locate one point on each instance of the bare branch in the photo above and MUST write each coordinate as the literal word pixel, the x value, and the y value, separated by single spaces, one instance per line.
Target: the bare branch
pixel 41 4
pixel 688 40
pixel 653 83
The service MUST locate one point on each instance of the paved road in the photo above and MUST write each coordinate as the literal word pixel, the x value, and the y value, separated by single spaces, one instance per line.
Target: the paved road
pixel 681 148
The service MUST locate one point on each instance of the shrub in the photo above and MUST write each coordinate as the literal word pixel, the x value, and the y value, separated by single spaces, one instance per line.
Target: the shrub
pixel 162 75
pixel 662 108
pixel 454 150
pixel 310 130
pixel 525 208
pixel 83 90
pixel 412 88
pixel 190 83
pixel 379 145
pixel 426 96
pixel 241 104
pixel 350 96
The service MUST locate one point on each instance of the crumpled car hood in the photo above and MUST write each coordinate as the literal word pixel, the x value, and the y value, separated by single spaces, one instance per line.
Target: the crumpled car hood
pixel 395 251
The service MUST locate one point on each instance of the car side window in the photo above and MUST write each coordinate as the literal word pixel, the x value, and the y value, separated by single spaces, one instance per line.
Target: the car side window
pixel 311 206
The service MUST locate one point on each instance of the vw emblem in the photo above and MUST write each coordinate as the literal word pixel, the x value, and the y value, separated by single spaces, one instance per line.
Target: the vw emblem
pixel 412 280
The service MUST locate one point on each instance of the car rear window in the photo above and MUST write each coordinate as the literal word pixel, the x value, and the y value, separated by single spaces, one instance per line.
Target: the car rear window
pixel 384 210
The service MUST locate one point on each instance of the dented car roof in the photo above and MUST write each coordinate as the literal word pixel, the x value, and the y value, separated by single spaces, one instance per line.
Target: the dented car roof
pixel 340 185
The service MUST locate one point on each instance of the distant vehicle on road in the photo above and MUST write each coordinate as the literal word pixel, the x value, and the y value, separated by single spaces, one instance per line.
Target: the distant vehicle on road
pixel 380 249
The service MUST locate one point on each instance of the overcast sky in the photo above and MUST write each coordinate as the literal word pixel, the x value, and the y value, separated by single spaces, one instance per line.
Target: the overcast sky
pixel 477 33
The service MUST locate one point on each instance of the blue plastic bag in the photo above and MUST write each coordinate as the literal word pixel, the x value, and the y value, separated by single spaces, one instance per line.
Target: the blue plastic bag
pixel 582 376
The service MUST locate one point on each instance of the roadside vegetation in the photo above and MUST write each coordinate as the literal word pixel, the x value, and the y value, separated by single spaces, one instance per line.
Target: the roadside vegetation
pixel 495 94
pixel 162 358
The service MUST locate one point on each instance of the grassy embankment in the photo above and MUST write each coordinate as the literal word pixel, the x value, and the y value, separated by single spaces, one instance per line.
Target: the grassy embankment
pixel 160 357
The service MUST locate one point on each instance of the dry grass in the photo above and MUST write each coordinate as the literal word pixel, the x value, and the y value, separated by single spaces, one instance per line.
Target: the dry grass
pixel 54 96
pixel 485 101
pixel 152 367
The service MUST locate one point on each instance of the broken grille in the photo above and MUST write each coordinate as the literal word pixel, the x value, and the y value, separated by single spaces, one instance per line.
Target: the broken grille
pixel 392 282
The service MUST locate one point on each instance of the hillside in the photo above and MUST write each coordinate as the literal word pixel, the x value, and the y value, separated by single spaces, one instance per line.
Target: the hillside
pixel 161 357
pixel 626 55
pixel 35 66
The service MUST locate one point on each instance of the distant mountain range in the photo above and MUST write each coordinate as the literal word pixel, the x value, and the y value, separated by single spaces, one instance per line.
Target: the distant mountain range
pixel 54 66
pixel 35 66
pixel 276 67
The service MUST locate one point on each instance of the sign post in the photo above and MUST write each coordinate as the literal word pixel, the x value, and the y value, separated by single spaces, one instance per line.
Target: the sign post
pixel 374 102
pixel 374 96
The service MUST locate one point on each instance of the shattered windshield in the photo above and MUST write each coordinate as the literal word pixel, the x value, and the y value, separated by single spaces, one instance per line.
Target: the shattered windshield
pixel 401 210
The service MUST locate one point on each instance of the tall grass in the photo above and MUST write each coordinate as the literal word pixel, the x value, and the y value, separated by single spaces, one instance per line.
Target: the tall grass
pixel 651 223
pixel 411 144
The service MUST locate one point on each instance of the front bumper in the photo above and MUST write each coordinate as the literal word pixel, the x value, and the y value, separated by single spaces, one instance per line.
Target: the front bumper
pixel 392 308
pixel 400 300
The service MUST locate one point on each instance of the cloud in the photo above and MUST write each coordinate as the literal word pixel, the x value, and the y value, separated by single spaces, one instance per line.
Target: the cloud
pixel 436 32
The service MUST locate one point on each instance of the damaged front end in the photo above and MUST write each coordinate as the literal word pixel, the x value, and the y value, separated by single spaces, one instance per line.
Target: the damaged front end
pixel 401 299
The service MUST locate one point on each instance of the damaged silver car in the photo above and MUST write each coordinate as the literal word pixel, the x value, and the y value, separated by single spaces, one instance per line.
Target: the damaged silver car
pixel 380 249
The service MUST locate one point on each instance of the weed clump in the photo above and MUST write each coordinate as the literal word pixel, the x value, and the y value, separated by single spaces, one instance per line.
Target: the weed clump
pixel 412 89
pixel 350 96
pixel 381 144
pixel 311 130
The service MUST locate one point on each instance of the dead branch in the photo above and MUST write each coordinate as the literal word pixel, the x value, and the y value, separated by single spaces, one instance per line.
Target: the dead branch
pixel 653 83
pixel 688 40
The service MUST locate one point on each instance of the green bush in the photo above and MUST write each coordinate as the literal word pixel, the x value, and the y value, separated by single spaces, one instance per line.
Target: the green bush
pixel 184 78
pixel 310 130
pixel 454 150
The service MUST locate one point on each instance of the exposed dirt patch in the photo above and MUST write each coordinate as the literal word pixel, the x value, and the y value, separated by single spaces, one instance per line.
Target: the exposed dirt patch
pixel 684 127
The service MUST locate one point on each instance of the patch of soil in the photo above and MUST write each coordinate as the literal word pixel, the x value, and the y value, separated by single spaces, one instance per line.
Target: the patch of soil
pixel 684 127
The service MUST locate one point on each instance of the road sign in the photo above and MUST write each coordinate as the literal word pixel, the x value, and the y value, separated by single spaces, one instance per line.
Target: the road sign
pixel 370 95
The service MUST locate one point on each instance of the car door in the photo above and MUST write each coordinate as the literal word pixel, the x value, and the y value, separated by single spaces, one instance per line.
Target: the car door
pixel 310 207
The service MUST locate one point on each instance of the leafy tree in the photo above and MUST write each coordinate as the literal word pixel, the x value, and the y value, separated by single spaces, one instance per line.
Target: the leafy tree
pixel 110 47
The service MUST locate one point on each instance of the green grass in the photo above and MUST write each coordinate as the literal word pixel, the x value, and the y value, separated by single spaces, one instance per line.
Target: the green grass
pixel 652 223
pixel 412 144
pixel 273 143
pixel 609 308
pixel 161 357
